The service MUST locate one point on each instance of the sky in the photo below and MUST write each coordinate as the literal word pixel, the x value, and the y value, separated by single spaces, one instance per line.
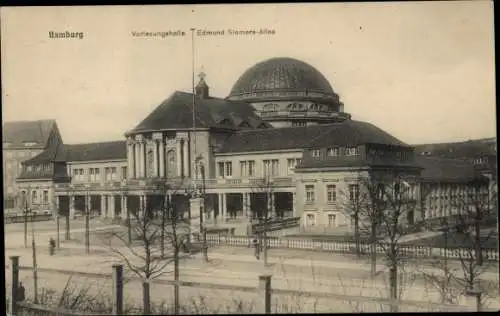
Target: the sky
pixel 422 71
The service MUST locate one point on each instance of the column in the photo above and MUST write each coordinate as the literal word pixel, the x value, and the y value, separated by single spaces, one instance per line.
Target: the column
pixel 244 204
pixel 162 158
pixel 294 205
pixel 112 211
pixel 179 157
pixel 142 205
pixel 137 161
pixel 130 160
pixel 155 158
pixel 55 213
pixel 143 158
pixel 273 206
pixel 186 157
pixel 72 206
pixel 88 204
pixel 219 206
pixel 249 205
pixel 103 206
pixel 124 214
pixel 224 206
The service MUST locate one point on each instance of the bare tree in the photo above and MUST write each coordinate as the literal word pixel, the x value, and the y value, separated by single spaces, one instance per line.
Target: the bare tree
pixel 265 188
pixel 474 229
pixel 355 207
pixel 388 201
pixel 158 231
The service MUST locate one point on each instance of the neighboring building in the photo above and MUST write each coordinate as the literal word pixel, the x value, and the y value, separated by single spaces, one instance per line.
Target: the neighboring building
pixel 281 141
pixel 22 141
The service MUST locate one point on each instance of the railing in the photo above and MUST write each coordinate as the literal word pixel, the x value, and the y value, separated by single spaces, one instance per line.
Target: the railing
pixel 180 183
pixel 276 224
pixel 409 251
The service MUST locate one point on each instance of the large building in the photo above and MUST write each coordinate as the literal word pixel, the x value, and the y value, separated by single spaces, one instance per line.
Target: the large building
pixel 282 133
pixel 22 141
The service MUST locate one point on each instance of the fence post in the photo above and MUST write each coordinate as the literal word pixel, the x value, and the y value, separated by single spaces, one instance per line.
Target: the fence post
pixel 14 264
pixel 265 293
pixel 117 289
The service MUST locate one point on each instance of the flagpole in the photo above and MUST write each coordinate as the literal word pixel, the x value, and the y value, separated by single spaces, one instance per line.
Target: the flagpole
pixel 194 171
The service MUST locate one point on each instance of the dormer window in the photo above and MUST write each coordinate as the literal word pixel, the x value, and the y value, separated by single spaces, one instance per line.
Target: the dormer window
pixel 316 153
pixel 333 152
pixel 351 151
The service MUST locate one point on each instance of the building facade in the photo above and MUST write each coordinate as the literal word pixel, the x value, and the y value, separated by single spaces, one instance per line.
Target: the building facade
pixel 22 141
pixel 280 144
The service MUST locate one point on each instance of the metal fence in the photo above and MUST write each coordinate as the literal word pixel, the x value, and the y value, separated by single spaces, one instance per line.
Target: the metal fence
pixel 413 251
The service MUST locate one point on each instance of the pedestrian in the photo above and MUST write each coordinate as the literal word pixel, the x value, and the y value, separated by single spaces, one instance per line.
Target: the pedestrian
pixel 255 242
pixel 52 246
pixel 20 292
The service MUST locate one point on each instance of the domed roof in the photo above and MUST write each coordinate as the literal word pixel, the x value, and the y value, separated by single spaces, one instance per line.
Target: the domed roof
pixel 281 74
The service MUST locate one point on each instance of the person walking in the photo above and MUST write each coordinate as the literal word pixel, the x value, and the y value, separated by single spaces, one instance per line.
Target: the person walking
pixel 255 243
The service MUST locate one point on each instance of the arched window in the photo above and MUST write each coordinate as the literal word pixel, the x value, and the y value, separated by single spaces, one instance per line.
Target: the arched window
pixel 171 163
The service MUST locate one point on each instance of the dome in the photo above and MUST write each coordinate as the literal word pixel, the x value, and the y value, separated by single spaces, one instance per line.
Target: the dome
pixel 285 75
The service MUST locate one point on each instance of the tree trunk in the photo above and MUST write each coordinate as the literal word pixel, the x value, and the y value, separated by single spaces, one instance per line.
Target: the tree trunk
pixel 68 236
pixel 146 299
pixel 87 233
pixel 264 242
pixel 205 246
pixel 373 247
pixel 176 279
pixel 129 228
pixel 35 272
pixel 393 283
pixel 477 239
pixel 25 229
pixel 356 235
pixel 162 240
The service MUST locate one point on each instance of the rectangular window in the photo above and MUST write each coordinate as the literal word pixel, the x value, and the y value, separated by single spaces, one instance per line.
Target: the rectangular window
pixel 331 192
pixel 251 168
pixel 267 168
pixel 316 153
pixel 332 220
pixel 291 163
pixel 310 194
pixel 351 151
pixel 275 169
pixel 243 168
pixel 247 168
pixel 333 152
pixel 34 197
pixel 229 169
pixel 353 192
pixel 113 173
pixel 310 220
pixel 45 197
pixel 124 172
pixel 221 169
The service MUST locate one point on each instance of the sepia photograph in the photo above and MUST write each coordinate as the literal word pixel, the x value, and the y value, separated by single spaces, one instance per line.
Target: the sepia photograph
pixel 249 158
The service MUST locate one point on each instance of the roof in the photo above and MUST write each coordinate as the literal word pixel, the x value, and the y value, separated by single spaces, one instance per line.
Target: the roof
pixel 17 133
pixel 281 74
pixel 346 133
pixel 445 169
pixel 176 112
pixel 96 151
pixel 467 149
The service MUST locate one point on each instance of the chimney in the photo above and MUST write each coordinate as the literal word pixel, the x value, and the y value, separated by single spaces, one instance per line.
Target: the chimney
pixel 202 88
